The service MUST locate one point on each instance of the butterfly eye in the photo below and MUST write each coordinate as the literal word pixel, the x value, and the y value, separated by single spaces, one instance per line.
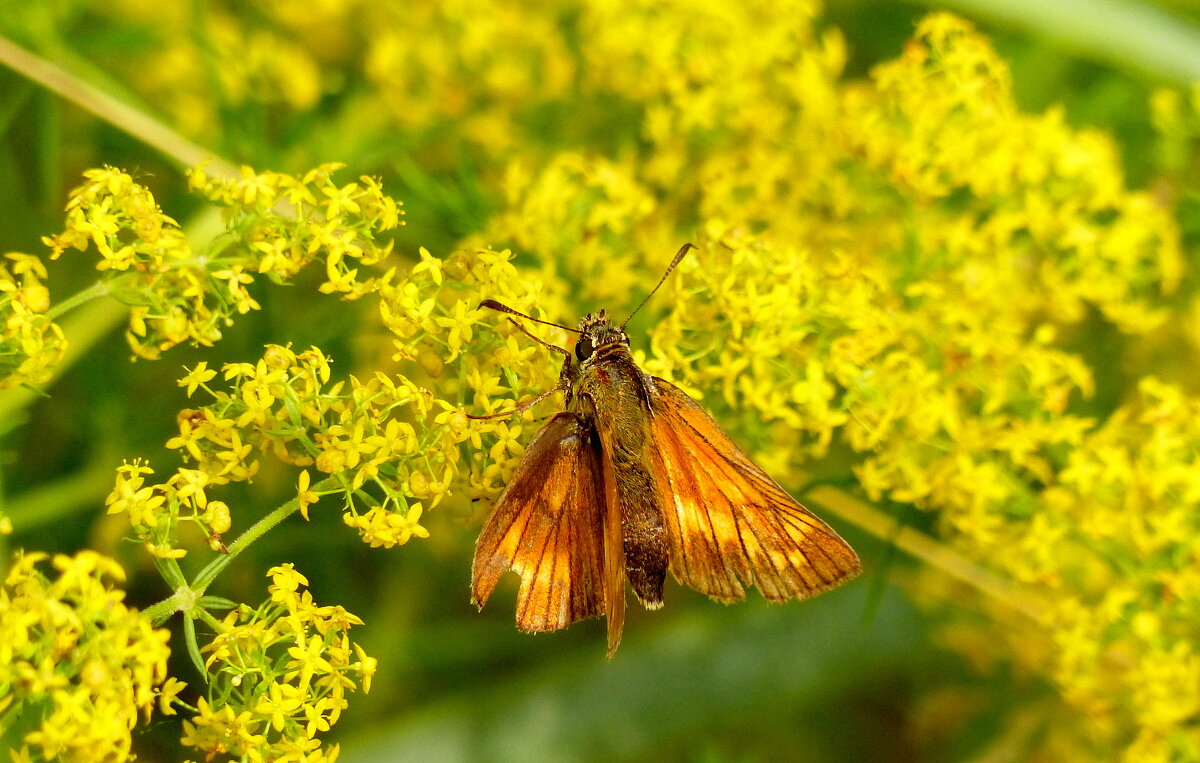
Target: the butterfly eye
pixel 584 348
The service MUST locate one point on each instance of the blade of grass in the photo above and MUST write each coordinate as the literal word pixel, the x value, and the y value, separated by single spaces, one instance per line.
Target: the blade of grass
pixel 831 500
pixel 1133 35
pixel 64 496
pixel 122 116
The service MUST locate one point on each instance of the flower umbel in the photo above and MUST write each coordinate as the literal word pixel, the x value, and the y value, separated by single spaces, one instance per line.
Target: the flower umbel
pixel 276 225
pixel 31 344
pixel 278 676
pixel 78 666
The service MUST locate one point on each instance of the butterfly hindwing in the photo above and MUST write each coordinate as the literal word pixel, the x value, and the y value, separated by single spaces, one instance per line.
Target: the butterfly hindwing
pixel 728 524
pixel 545 526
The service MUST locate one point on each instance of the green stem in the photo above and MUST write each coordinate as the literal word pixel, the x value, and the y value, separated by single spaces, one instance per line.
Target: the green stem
pixel 112 110
pixel 160 611
pixel 1129 34
pixel 928 550
pixel 193 646
pixel 208 618
pixel 185 597
pixel 257 530
pixel 98 289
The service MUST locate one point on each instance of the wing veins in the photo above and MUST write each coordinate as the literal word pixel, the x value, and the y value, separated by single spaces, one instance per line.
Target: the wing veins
pixel 710 540
pixel 771 490
pixel 539 529
pixel 723 581
pixel 781 547
pixel 780 579
pixel 829 558
pixel 529 587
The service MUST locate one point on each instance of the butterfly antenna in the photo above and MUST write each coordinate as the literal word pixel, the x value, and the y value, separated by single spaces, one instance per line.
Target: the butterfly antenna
pixel 678 256
pixel 542 342
pixel 494 305
pixel 519 408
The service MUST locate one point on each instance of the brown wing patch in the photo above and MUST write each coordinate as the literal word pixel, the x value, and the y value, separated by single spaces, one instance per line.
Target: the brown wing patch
pixel 614 549
pixel 547 527
pixel 728 523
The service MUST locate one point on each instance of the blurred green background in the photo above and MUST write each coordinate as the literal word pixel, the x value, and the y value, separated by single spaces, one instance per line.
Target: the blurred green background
pixel 857 674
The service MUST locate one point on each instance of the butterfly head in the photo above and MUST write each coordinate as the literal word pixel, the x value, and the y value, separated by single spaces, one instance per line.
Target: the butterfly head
pixel 595 332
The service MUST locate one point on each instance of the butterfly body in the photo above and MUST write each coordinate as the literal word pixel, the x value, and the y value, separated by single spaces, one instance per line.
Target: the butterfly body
pixel 634 479
pixel 608 386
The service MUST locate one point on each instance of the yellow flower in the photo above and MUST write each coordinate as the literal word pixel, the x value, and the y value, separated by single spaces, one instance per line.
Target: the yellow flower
pixel 285 581
pixel 202 374
pixel 132 496
pixel 31 345
pixel 164 551
pixel 379 527
pixel 428 264
pixel 167 694
pixel 221 730
pixel 367 666
pixel 305 496
pixel 279 703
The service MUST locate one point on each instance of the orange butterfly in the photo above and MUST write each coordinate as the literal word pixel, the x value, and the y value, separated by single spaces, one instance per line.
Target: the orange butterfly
pixel 633 479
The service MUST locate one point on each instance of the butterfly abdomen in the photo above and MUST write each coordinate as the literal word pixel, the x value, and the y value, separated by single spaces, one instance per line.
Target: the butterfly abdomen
pixel 646 556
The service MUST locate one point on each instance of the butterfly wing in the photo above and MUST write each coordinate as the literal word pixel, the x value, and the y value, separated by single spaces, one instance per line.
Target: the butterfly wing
pixel 614 548
pixel 728 524
pixel 547 526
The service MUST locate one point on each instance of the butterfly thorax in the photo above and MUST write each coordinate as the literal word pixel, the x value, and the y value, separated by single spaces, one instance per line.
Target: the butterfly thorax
pixel 604 370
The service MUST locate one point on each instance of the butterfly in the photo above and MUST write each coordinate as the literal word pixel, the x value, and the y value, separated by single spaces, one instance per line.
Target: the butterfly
pixel 633 479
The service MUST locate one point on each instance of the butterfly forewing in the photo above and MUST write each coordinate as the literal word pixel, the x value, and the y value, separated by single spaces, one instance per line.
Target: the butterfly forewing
pixel 728 524
pixel 545 528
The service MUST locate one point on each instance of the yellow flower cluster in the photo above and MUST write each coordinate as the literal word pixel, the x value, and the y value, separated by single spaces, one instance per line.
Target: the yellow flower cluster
pixel 943 127
pixel 77 666
pixel 156 511
pixel 477 66
pixel 897 268
pixel 253 67
pixel 1118 551
pixel 468 65
pixel 433 314
pixel 31 343
pixel 278 677
pixel 145 257
pixel 380 527
pixel 285 405
pixel 276 225
pixel 370 438
pixel 574 235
